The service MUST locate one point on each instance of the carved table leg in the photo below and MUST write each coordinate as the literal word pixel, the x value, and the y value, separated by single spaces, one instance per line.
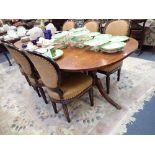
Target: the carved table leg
pixel 98 84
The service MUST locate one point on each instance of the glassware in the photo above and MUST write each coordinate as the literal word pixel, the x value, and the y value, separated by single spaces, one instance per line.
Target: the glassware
pixel 24 46
pixel 47 34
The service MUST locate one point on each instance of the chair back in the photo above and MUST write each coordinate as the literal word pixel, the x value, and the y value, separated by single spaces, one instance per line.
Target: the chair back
pixel 48 70
pixel 68 25
pixel 92 26
pixel 20 58
pixel 117 27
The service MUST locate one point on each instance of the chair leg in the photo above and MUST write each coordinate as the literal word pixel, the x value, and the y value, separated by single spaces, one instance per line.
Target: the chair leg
pixel 36 89
pixel 118 74
pixel 54 107
pixel 28 81
pixel 108 83
pixel 5 54
pixel 91 97
pixel 65 109
pixel 43 94
pixel 140 52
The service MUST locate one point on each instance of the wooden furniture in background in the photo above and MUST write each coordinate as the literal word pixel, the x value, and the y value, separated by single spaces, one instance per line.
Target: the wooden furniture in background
pixel 58 23
pixel 137 27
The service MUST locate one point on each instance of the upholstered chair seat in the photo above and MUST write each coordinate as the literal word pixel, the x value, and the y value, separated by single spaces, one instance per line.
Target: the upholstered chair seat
pixel 72 86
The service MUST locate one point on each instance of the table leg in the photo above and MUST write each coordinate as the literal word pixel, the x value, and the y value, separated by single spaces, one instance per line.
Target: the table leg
pixel 98 84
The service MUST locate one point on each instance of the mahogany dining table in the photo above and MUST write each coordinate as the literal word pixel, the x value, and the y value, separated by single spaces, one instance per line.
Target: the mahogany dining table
pixel 85 60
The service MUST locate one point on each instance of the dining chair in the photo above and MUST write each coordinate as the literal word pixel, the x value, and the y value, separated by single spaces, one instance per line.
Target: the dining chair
pixel 60 89
pixel 68 25
pixel 92 26
pixel 27 69
pixel 116 28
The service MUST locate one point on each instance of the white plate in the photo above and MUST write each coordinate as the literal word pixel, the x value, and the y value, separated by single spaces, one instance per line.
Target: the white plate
pixel 113 46
pixel 93 34
pixel 78 29
pixel 104 36
pixel 44 50
pixel 96 42
pixel 59 53
pixel 79 34
pixel 119 38
pixel 60 35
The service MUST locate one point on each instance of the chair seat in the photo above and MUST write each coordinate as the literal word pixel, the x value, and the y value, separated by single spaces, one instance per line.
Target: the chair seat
pixel 72 86
pixel 111 67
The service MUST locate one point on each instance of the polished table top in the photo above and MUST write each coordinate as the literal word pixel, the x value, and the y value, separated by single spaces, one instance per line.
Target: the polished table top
pixel 76 59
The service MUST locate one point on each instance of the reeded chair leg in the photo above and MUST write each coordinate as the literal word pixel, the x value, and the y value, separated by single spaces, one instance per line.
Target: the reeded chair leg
pixel 91 97
pixel 65 109
pixel 43 94
pixel 118 74
pixel 27 79
pixel 108 83
pixel 54 107
pixel 36 89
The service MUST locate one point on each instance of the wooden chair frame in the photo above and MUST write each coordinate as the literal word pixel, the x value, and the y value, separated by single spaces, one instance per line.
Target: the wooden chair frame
pixel 59 91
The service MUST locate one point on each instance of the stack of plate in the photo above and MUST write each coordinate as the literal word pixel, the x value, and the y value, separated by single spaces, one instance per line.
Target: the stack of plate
pixel 113 47
pixel 79 36
pixel 58 54
pixel 61 39
pixel 104 36
pixel 107 43
pixel 96 42
pixel 94 34
pixel 119 38
pixel 46 52
pixel 116 44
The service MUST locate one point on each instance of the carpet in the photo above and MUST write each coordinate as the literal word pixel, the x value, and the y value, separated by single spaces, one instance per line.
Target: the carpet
pixel 22 112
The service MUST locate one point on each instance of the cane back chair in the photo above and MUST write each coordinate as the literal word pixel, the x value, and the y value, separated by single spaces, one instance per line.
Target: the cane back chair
pixel 61 90
pixel 116 28
pixel 92 26
pixel 27 69
pixel 68 25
